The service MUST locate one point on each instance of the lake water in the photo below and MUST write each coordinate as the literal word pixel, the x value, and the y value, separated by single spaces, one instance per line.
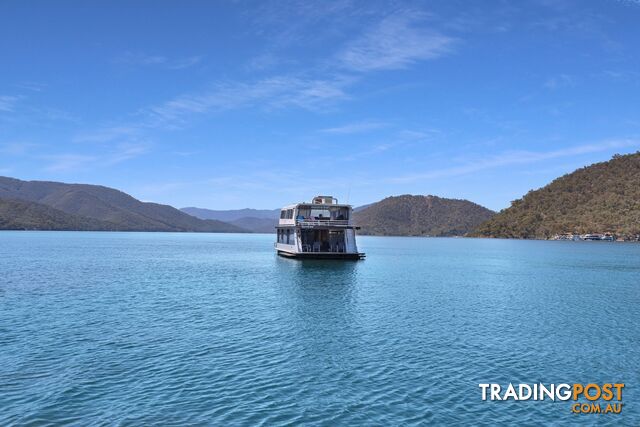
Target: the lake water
pixel 193 329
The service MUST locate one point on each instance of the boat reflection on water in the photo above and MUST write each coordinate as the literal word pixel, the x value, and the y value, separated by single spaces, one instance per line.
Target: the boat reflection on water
pixel 320 298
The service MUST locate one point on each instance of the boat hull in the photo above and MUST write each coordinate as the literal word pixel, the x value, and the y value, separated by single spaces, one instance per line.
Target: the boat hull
pixel 323 255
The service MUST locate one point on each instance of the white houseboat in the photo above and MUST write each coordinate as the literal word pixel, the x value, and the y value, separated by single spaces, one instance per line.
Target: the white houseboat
pixel 320 229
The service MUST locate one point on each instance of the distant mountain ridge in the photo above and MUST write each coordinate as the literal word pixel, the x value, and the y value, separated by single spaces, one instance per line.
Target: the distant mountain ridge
pixel 113 209
pixel 254 220
pixel 256 225
pixel 232 214
pixel 410 215
pixel 603 197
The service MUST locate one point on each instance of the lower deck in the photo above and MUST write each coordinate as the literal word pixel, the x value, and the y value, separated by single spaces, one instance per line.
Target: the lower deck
pixel 317 242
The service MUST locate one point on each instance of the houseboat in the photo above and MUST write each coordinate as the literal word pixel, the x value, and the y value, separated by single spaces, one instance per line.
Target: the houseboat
pixel 322 229
pixel 592 237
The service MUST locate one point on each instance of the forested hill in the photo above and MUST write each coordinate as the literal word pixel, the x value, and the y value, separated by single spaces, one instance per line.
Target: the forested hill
pixel 409 215
pixel 603 197
pixel 94 207
pixel 26 215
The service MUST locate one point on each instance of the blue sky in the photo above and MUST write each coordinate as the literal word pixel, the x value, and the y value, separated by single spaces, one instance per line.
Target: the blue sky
pixel 259 104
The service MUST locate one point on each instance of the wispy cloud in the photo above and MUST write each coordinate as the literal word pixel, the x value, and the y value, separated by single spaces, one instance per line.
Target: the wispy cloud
pixel 515 158
pixel 622 75
pixel 633 2
pixel 560 81
pixel 31 86
pixel 263 61
pixel 419 135
pixel 138 59
pixel 358 127
pixel 108 134
pixel 16 148
pixel 127 151
pixel 131 58
pixel 182 63
pixel 72 162
pixel 7 103
pixel 68 162
pixel 396 42
pixel 275 92
pixel 286 23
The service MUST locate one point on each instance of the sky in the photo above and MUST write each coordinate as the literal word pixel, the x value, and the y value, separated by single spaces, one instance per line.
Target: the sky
pixel 234 104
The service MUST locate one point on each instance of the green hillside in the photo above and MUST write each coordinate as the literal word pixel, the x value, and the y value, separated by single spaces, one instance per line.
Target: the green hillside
pixel 106 205
pixel 603 197
pixel 409 215
pixel 25 215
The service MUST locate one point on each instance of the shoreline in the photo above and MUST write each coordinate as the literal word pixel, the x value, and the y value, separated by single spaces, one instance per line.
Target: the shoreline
pixel 359 235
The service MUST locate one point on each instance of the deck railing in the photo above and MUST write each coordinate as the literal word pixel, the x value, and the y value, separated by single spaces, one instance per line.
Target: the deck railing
pixel 326 222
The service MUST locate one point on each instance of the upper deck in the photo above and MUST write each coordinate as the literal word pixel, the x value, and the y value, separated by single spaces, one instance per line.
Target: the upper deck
pixel 323 211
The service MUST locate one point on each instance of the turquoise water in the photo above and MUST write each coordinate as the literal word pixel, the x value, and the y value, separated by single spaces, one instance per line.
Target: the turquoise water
pixel 214 329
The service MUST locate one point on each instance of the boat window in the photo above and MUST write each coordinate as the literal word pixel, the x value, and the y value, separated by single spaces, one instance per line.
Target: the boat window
pixel 289 213
pixel 304 211
pixel 320 213
pixel 283 214
pixel 288 232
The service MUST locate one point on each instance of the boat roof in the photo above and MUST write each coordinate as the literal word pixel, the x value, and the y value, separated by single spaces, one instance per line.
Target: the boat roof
pixel 322 205
pixel 320 201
